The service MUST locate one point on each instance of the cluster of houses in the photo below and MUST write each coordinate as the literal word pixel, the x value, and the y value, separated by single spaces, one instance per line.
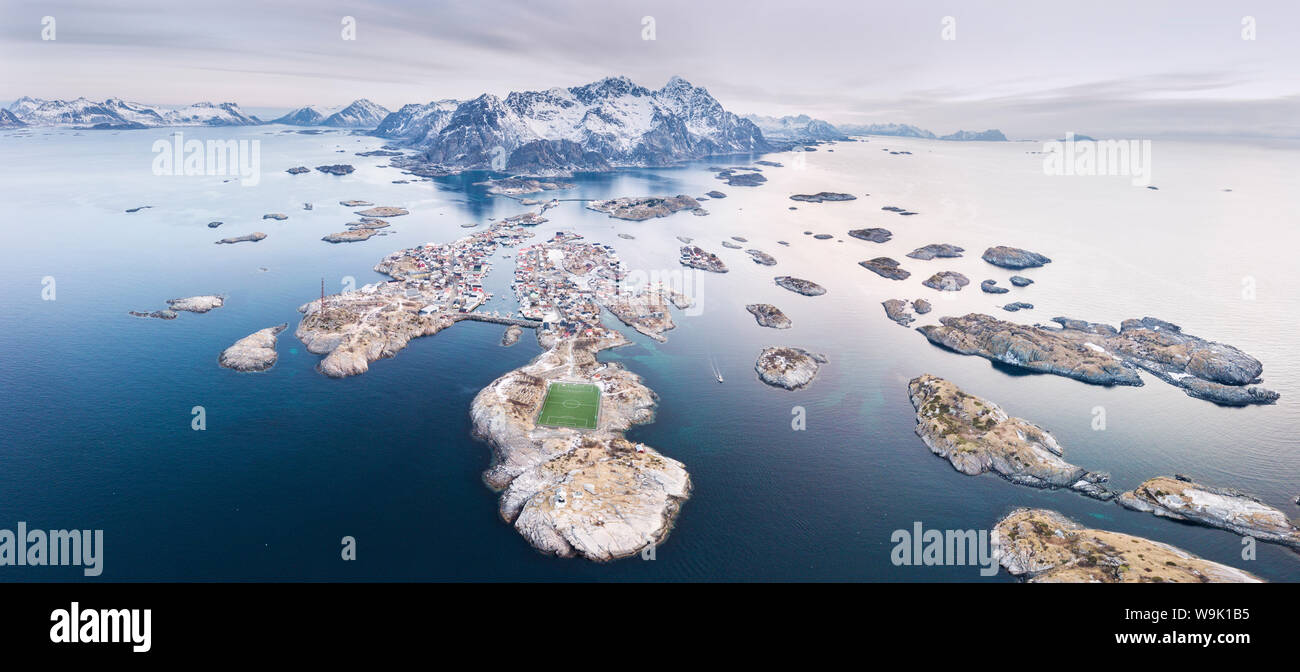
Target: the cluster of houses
pixel 563 281
pixel 449 276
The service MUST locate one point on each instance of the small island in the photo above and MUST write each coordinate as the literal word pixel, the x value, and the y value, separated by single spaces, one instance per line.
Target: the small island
pixel 336 169
pixel 768 315
pixel 885 268
pixel 1014 257
pixel 648 207
pixel 254 352
pixel 944 250
pixel 1223 508
pixel 800 286
pixel 947 281
pixel 251 237
pixel 695 257
pixel 1043 546
pixel 976 436
pixel 874 235
pixel 788 368
pixel 1102 355
pixel 823 196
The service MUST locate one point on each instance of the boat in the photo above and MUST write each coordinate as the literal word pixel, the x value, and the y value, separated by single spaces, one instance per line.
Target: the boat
pixel 717 373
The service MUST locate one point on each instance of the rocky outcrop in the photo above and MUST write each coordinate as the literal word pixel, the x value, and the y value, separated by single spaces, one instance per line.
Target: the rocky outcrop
pixel 251 237
pixel 298 170
pixel 197 304
pixel 516 186
pixel 1102 355
pixel 384 211
pixel 351 235
pixel 1044 546
pixel 947 281
pixel 639 209
pixel 976 436
pixel 1021 281
pixel 1017 306
pixel 511 336
pixel 990 287
pixel 823 196
pixel 885 268
pixel 1213 507
pixel 336 169
pixel 254 352
pixel 896 310
pixel 741 177
pixel 694 256
pixel 944 250
pixel 761 258
pixel 768 315
pixel 790 368
pixel 874 235
pixel 1014 257
pixel 800 286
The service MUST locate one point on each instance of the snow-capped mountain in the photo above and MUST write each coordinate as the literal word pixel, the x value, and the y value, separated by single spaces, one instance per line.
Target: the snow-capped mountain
pixel 10 120
pixel 802 128
pixel 613 121
pixel 360 114
pixel 992 134
pixel 303 116
pixel 902 130
pixel 207 114
pixel 415 123
pixel 118 113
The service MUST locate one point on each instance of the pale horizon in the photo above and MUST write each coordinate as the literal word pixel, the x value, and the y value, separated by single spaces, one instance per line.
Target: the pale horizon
pixel 1031 71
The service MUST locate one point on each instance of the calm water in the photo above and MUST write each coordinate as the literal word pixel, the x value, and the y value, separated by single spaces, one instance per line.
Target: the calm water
pixel 96 406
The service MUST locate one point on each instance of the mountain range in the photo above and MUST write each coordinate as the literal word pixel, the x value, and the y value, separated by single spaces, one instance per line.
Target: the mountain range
pixel 801 128
pixel 359 114
pixel 118 113
pixel 909 131
pixel 611 122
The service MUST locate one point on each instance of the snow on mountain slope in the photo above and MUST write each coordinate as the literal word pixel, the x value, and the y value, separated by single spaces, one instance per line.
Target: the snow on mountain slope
pixel 621 122
pixel 360 114
pixel 116 113
pixel 798 128
pixel 303 116
pixel 415 122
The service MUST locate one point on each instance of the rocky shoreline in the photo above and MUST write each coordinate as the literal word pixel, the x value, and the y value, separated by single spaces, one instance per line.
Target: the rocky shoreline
pixel 885 267
pixel 976 436
pixel 1212 507
pixel 788 368
pixel 648 207
pixel 800 286
pixel 254 352
pixel 1043 546
pixel 768 315
pixel 251 237
pixel 1102 355
pixel 571 492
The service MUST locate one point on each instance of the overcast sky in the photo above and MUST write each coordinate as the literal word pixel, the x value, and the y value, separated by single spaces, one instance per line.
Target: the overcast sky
pixel 1034 69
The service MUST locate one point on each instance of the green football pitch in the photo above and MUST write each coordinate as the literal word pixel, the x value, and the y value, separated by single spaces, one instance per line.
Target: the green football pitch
pixel 570 405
